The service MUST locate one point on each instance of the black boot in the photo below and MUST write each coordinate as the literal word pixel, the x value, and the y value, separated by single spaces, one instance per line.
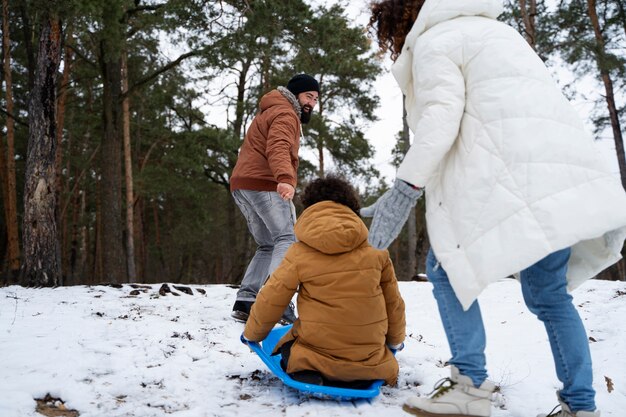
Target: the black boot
pixel 308 377
pixel 241 310
pixel 289 315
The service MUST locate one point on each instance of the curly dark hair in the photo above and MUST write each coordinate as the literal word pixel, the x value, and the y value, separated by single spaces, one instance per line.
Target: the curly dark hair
pixel 334 188
pixel 391 21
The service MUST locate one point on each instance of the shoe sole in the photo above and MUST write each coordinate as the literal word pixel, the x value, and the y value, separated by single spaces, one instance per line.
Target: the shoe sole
pixel 240 316
pixel 421 413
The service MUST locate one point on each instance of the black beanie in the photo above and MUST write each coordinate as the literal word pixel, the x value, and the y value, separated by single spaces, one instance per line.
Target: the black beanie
pixel 301 83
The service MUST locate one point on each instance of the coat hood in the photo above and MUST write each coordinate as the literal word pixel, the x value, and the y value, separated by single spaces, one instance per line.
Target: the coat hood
pixel 280 97
pixel 331 228
pixel 433 12
pixel 436 11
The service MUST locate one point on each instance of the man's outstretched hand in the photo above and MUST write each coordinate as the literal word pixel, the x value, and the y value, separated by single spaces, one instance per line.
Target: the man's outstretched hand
pixel 390 212
pixel 286 191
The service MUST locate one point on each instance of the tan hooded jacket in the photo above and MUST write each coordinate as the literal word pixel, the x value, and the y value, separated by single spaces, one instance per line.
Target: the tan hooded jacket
pixel 348 300
pixel 269 153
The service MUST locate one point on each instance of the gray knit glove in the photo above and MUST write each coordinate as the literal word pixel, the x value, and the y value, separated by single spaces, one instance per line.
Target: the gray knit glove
pixel 390 212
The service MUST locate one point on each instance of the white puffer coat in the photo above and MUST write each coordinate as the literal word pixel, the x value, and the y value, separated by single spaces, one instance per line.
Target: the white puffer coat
pixel 510 173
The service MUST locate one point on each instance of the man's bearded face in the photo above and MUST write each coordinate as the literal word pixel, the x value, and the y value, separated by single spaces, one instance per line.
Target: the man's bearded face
pixel 305 116
pixel 307 100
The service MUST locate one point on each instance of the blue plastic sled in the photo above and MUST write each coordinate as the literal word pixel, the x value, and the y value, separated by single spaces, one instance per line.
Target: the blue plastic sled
pixel 264 350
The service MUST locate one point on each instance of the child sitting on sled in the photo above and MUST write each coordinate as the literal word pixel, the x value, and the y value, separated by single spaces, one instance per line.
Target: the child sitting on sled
pixel 350 310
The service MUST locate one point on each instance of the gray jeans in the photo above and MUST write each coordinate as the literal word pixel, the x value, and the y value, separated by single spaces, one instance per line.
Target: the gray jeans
pixel 270 221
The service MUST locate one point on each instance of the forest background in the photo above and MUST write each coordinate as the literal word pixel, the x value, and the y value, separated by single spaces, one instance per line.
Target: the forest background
pixel 113 169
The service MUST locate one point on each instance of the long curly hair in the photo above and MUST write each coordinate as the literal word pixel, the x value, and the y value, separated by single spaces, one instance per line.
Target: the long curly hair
pixel 334 188
pixel 391 21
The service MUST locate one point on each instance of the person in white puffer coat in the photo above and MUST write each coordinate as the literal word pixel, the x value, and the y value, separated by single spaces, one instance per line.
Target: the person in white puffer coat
pixel 514 186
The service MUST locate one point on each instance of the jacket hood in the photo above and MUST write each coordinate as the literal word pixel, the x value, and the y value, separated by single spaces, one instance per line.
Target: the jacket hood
pixel 280 97
pixel 330 228
pixel 437 11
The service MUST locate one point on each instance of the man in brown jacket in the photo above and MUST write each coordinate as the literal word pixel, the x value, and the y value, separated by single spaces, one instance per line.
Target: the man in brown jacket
pixel 264 180
pixel 351 313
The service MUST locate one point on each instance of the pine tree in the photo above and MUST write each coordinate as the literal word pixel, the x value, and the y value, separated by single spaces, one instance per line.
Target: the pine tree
pixel 591 36
pixel 339 55
pixel 42 266
pixel 8 165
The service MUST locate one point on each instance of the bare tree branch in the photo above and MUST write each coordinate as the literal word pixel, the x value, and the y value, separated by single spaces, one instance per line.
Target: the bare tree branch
pixel 12 116
pixel 81 55
pixel 158 72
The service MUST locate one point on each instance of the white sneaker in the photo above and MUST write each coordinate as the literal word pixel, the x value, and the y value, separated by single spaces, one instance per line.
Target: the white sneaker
pixel 454 397
pixel 566 412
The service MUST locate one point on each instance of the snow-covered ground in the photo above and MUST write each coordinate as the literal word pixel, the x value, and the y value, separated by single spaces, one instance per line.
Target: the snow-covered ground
pixel 134 352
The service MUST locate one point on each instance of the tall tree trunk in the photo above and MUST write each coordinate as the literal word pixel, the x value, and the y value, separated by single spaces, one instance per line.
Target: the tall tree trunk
pixel 320 155
pixel 58 158
pixel 71 276
pixel 422 235
pixel 320 142
pixel 529 11
pixel 241 97
pixel 112 237
pixel 5 198
pixel 143 210
pixel 28 33
pixel 140 237
pixel 3 180
pixel 157 240
pixel 41 241
pixel 141 227
pixel 97 266
pixel 4 255
pixel 128 169
pixel 11 201
pixel 3 154
pixel 113 256
pixel 411 223
pixel 608 88
pixel 232 258
pixel 62 221
pixel 29 39
pixel 266 66
pixel 83 239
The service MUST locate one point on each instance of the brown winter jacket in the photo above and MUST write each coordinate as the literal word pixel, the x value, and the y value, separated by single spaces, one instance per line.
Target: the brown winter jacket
pixel 348 300
pixel 269 153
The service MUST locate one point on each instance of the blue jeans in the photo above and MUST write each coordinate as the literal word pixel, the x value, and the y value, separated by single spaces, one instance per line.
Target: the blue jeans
pixel 545 292
pixel 270 222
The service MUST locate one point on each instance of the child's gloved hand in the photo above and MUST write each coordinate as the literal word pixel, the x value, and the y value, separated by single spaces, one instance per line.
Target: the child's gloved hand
pixel 390 212
pixel 244 340
pixel 396 348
